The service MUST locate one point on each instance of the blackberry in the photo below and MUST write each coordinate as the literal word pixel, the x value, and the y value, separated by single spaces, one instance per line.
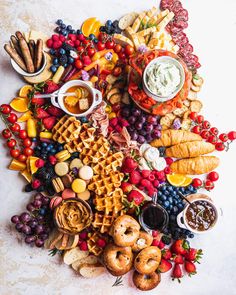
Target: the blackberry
pixel 50 190
pixel 166 240
pixel 28 188
pixel 67 47
pixel 40 189
pixel 63 60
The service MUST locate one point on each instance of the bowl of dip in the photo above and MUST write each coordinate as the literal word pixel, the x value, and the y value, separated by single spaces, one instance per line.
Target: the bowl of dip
pixel 163 78
pixel 199 217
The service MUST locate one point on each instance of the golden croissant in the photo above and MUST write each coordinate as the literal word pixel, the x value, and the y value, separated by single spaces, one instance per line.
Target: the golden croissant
pixel 190 149
pixel 198 165
pixel 172 137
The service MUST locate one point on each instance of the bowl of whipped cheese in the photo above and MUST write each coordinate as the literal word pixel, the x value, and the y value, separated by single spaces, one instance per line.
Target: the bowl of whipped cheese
pixel 163 78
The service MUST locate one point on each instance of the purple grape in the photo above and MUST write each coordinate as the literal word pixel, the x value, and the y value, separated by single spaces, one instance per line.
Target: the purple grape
pixel 158 127
pixel 30 207
pixel 138 125
pixel 134 135
pixel 25 217
pixel 30 239
pixel 141 139
pixel 131 128
pixel 38 197
pixel 132 120
pixel 33 223
pixel 26 230
pixel 39 243
pixel 148 127
pixel 39 229
pixel 156 133
pixel 40 218
pixel 43 236
pixel 19 226
pixel 75 171
pixel 148 137
pixel 45 200
pixel 136 112
pixel 125 112
pixel 143 132
pixel 152 119
pixel 141 119
pixel 15 219
pixel 37 203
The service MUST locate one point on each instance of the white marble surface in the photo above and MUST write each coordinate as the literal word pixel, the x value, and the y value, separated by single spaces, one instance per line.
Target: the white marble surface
pixel 212 31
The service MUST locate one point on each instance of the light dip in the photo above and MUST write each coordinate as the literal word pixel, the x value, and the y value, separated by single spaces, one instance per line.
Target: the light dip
pixel 163 79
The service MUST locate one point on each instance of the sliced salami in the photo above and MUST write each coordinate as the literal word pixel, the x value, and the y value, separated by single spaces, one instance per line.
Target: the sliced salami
pixel 180 24
pixel 188 48
pixel 182 41
pixel 166 4
pixel 174 29
pixel 176 7
pixel 182 15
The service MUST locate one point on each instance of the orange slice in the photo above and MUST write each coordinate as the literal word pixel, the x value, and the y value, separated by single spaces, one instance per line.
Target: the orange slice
pixel 25 117
pixel 87 26
pixel 20 104
pixel 187 181
pixel 176 179
pixel 95 28
pixel 25 90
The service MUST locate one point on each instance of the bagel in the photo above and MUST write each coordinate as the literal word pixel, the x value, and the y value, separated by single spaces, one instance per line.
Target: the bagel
pixel 125 231
pixel 146 282
pixel 148 260
pixel 144 240
pixel 118 260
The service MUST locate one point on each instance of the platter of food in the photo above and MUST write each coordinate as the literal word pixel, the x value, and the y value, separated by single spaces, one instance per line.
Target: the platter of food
pixel 108 135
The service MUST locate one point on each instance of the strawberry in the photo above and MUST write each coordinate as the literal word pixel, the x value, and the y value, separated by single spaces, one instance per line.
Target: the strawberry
pixel 50 87
pixel 38 101
pixel 134 177
pixel 126 187
pixel 177 272
pixel 136 197
pixel 145 173
pixel 194 255
pixel 164 266
pixel 49 122
pixel 155 242
pixel 161 245
pixel 190 268
pixel 129 165
pixel 54 111
pixel 146 183
pixel 123 122
pixel 180 247
pixel 178 259
pixel 166 254
pixel 40 113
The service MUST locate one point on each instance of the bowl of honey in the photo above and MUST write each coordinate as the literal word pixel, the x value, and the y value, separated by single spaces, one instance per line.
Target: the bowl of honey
pixel 77 98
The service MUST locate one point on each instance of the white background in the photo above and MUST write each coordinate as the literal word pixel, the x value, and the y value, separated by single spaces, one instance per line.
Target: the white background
pixel 212 31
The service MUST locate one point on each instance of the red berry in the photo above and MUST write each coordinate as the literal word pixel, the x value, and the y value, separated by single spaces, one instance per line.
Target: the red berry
pixel 155 243
pixel 27 142
pixel 78 64
pixel 167 170
pixel 14 153
pixel 52 160
pixel 39 163
pixel 205 134
pixel 177 272
pixel 62 38
pixel 28 151
pixel 83 246
pixel 161 245
pixel 220 146
pixel 72 37
pixel 200 119
pixel 15 127
pixel 22 158
pixel 6 133
pixel 81 37
pixel 145 173
pixel 209 185
pixel 11 143
pixel 5 109
pixel 196 182
pixel 101 243
pixel 212 139
pixel 49 43
pixel 55 37
pixel 190 268
pixel 156 183
pixel 36 183
pixel 155 233
pixel 206 125
pixel 57 44
pixel 151 177
pixel 193 116
pixel 101 46
pixel 12 118
pixel 232 135
pixel 196 129
pixel 213 176
pixel 169 160
pixel 83 235
pixel 223 137
pixel 214 131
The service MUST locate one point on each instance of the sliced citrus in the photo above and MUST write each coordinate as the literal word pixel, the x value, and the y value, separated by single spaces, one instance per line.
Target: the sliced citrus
pixel 95 28
pixel 25 117
pixel 187 181
pixel 20 104
pixel 25 90
pixel 87 26
pixel 176 179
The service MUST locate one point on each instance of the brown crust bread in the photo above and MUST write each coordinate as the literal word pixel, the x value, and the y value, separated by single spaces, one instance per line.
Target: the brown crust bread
pixel 146 282
pixel 190 149
pixel 195 166
pixel 15 56
pixel 15 44
pixel 32 49
pixel 26 54
pixel 172 137
pixel 38 54
pixel 144 240
pixel 148 260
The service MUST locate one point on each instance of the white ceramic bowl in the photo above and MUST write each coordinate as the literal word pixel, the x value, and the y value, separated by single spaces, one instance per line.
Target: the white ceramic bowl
pixel 58 100
pixel 159 60
pixel 19 70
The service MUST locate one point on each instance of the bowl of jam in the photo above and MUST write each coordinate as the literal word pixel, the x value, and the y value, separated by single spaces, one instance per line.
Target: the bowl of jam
pixel 199 217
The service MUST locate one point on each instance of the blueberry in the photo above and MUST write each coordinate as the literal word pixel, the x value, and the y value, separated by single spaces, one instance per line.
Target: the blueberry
pixel 59 22
pixel 172 217
pixel 191 188
pixel 38 147
pixel 102 29
pixel 166 193
pixel 52 51
pixel 194 190
pixel 92 37
pixel 180 206
pixel 75 154
pixel 171 207
pixel 53 151
pixel 53 69
pixel 108 23
pixel 63 26
pixel 60 148
pixel 115 23
pixel 191 235
pixel 55 61
pixel 160 202
pixel 79 32
pixel 181 189
pixel 166 204
pixel 83 120
pixel 163 198
pixel 62 51
pixel 69 27
pixel 175 209
pixel 174 193
pixel 73 32
pixel 34 139
pixel 164 188
pixel 64 32
pixel 44 144
pixel 65 65
pixel 170 189
pixel 170 199
pixel 58 30
pixel 70 60
pixel 160 193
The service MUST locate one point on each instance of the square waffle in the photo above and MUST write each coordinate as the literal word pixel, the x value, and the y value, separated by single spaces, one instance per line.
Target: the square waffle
pixel 107 164
pixel 106 184
pixel 66 129
pixel 92 244
pixel 103 222
pixel 110 204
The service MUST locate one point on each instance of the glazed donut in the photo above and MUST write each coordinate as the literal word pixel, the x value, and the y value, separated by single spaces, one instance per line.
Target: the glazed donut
pixel 148 260
pixel 125 231
pixel 144 240
pixel 118 260
pixel 146 282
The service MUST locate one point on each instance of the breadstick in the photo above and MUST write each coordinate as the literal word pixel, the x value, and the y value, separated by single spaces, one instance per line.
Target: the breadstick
pixel 26 55
pixel 32 49
pixel 38 54
pixel 15 44
pixel 19 35
pixel 15 56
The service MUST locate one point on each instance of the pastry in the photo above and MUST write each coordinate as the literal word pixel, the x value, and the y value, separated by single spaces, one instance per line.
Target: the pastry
pixel 172 137
pixel 195 166
pixel 103 222
pixel 86 172
pixel 76 163
pixel 78 185
pixel 93 245
pixel 84 195
pixel 190 149
pixel 67 180
pixel 61 241
pixel 68 194
pixel 109 163
pixel 73 255
pixel 88 270
pixel 62 156
pixel 91 259
pixel 58 184
pixel 61 168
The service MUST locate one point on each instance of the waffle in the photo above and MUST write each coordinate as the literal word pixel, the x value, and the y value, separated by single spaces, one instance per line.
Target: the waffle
pixel 92 244
pixel 66 129
pixel 110 204
pixel 106 184
pixel 109 163
pixel 103 222
pixel 84 140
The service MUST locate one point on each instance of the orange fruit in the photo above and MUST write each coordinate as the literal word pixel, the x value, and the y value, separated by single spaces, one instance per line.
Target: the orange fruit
pixel 176 179
pixel 87 26
pixel 25 90
pixel 95 28
pixel 25 117
pixel 187 181
pixel 20 104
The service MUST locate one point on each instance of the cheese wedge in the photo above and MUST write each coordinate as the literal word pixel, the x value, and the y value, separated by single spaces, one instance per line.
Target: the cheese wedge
pixel 152 11
pixel 161 26
pixel 137 22
pixel 146 32
pixel 120 39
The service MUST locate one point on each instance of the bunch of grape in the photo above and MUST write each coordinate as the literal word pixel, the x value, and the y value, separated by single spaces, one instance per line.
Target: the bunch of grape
pixel 36 224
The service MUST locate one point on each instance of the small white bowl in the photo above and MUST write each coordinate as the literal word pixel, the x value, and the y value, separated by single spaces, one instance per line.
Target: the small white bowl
pixel 19 70
pixel 58 100
pixel 159 60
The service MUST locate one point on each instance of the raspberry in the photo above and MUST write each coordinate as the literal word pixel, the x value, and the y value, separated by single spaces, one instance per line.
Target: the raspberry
pixel 72 37
pixel 169 160
pixel 101 243
pixel 113 122
pixel 55 37
pixel 151 177
pixel 123 122
pixel 155 233
pixel 155 243
pixel 167 170
pixel 156 183
pixel 140 187
pixel 39 163
pixel 49 43
pixel 52 160
pixel 83 246
pixel 83 235
pixel 118 128
pixel 110 129
pixel 57 44
pixel 161 245
pixel 36 183
pixel 145 173
pixel 146 183
pixel 62 38
pixel 160 175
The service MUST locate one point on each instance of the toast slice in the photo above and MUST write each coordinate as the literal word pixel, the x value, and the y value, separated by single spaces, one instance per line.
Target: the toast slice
pixel 91 259
pixel 91 270
pixel 75 254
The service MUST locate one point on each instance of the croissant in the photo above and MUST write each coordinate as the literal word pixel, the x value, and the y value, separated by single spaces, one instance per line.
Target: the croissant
pixel 198 165
pixel 172 137
pixel 190 149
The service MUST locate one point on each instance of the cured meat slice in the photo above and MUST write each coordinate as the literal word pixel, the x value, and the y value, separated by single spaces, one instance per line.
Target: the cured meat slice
pixel 182 15
pixel 176 7
pixel 166 4
pixel 180 24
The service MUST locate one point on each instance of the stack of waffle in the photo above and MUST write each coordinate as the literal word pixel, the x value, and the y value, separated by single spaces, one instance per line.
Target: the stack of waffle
pixel 93 244
pixel 103 222
pixel 107 164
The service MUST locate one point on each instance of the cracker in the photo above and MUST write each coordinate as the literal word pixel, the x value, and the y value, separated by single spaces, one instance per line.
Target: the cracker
pixel 180 111
pixel 195 106
pixel 192 95
pixel 197 80
pixel 186 124
pixel 195 88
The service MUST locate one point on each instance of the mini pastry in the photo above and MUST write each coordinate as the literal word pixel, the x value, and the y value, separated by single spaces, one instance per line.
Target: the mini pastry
pixel 62 156
pixel 84 195
pixel 61 168
pixel 68 194
pixel 67 180
pixel 78 185
pixel 151 154
pixel 76 163
pixel 58 184
pixel 86 173
pixel 159 164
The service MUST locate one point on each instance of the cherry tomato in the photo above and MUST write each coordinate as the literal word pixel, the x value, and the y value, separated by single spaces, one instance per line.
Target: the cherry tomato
pixel 80 49
pixel 101 46
pixel 12 118
pixel 212 139
pixel 86 42
pixel 6 133
pixel 196 129
pixel 14 153
pixel 220 146
pixel 27 142
pixel 28 151
pixel 5 109
pixel 206 125
pixel 91 51
pixel 200 119
pixel 78 64
pixel 232 135
pixel 214 131
pixel 121 55
pixel 196 182
pixel 129 50
pixel 223 137
pixel 117 48
pixel 11 143
pixel 213 176
pixel 205 134
pixel 209 185
pixel 110 44
pixel 81 37
pixel 117 71
pixel 22 158
pixel 193 116
pixel 15 127
pixel 22 134
pixel 102 36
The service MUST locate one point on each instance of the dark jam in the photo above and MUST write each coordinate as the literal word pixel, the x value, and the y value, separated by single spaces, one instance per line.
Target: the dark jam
pixel 201 215
pixel 154 217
